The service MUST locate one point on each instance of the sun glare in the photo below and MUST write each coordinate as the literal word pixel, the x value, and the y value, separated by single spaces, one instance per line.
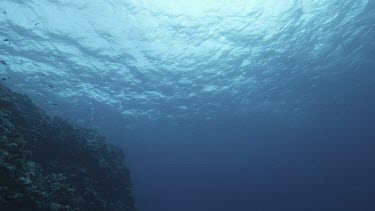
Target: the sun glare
pixel 199 8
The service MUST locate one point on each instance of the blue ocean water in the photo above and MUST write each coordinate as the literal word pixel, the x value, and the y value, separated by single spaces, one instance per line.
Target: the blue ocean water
pixel 240 105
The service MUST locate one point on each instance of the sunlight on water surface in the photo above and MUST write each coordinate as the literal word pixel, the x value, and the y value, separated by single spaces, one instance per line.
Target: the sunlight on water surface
pixel 214 8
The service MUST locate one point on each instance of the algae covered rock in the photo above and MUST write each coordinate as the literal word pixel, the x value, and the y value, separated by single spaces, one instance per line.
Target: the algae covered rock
pixel 49 164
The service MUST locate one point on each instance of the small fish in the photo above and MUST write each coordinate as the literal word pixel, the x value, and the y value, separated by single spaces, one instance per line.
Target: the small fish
pixel 6 40
pixel 4 63
pixel 5 78
pixel 54 104
pixel 50 86
pixel 5 12
pixel 36 24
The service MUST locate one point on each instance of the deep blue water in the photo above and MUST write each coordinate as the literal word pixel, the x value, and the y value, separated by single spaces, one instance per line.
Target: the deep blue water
pixel 219 105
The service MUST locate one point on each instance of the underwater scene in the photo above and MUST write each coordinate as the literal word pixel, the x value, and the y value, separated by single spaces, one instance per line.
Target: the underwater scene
pixel 187 105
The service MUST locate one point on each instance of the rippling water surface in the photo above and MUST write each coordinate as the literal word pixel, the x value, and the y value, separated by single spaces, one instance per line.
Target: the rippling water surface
pixel 167 59
pixel 295 70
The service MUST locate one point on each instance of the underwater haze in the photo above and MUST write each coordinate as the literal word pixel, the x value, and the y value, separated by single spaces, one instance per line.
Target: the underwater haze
pixel 219 105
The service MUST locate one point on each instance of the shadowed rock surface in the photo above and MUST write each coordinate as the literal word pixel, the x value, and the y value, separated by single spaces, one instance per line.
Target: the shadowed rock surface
pixel 49 164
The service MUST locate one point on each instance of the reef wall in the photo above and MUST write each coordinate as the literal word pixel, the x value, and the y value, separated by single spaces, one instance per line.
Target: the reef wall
pixel 49 164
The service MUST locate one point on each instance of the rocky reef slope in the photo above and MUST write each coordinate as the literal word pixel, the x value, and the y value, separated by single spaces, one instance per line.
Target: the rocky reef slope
pixel 49 164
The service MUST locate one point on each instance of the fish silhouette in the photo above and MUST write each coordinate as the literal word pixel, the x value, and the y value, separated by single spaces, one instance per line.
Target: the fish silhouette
pixel 5 78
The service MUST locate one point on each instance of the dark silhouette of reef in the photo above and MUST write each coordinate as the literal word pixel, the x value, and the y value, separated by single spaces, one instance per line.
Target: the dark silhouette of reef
pixel 49 164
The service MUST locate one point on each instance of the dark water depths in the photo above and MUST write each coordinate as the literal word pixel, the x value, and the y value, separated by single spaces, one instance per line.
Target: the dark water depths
pixel 323 161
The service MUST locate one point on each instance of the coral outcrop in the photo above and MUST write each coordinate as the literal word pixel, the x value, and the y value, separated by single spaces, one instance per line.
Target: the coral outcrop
pixel 49 164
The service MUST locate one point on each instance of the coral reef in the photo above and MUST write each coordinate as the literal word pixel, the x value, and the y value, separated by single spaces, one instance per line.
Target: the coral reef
pixel 49 164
